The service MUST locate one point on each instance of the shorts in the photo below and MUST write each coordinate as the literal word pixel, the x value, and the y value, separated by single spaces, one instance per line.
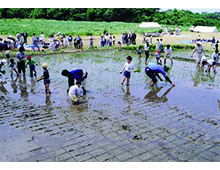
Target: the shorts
pixel 139 53
pixel 199 57
pixel 32 67
pixel 214 63
pixel 46 81
pixel 127 74
pixel 12 67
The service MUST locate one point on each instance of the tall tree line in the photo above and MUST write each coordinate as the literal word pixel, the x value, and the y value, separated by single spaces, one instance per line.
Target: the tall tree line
pixel 169 17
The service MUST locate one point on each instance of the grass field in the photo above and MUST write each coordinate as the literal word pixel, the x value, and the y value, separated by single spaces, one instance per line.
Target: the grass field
pixel 84 28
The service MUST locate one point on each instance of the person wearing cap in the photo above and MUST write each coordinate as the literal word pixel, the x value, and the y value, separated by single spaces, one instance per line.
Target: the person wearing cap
pixel 153 70
pixel 21 60
pixel 211 63
pixel 79 75
pixel 31 64
pixel 74 92
pixel 199 49
pixel 46 78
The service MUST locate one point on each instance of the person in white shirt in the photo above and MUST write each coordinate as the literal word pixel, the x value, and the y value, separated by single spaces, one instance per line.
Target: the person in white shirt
pixel 128 67
pixel 200 51
pixel 74 92
pixel 158 45
pixel 168 51
pixel 42 38
pixel 211 63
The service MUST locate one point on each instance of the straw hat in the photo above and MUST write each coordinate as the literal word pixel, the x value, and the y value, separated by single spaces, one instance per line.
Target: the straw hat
pixel 45 65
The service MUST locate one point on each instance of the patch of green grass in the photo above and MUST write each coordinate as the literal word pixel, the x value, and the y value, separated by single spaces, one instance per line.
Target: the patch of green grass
pixel 84 28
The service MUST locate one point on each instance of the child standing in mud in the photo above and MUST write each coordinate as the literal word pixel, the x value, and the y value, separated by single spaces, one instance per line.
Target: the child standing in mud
pixel 159 61
pixel 128 67
pixel 12 67
pixel 139 52
pixel 119 46
pixel 31 64
pixel 46 78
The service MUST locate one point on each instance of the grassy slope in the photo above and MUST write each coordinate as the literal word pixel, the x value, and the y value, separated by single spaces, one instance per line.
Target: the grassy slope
pixel 12 26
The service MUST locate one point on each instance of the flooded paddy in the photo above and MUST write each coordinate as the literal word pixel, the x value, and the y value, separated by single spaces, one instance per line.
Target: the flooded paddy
pixel 113 123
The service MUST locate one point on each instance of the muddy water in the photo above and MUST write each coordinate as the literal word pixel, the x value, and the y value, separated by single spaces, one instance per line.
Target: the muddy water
pixel 24 103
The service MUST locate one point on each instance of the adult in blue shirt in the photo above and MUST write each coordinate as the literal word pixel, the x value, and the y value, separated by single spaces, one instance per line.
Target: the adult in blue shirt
pixel 21 60
pixel 153 70
pixel 79 75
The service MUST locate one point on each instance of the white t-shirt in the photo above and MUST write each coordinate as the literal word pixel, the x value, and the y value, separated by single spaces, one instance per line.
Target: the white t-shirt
pixel 168 51
pixel 146 48
pixel 74 90
pixel 203 58
pixel 42 37
pixel 210 62
pixel 129 67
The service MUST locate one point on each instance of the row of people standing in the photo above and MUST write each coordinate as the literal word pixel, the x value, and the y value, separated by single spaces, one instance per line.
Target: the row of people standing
pixel 129 38
pixel 107 39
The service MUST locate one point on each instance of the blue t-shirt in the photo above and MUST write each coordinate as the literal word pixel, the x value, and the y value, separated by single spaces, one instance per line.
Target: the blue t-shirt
pixel 157 68
pixel 20 56
pixel 77 74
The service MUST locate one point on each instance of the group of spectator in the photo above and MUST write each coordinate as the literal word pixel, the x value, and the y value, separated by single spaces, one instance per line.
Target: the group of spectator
pixel 129 38
pixel 107 39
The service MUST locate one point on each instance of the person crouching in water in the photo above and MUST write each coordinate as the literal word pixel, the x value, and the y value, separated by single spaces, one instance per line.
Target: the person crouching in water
pixel 74 92
pixel 12 67
pixel 128 67
pixel 79 75
pixel 2 72
pixel 210 63
pixel 31 64
pixel 153 71
pixel 46 78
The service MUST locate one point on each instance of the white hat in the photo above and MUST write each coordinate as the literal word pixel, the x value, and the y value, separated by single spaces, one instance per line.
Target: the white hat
pixel 4 61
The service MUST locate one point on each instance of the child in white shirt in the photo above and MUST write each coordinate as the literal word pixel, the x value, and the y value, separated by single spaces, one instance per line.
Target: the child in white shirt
pixel 128 67
pixel 74 92
pixel 168 51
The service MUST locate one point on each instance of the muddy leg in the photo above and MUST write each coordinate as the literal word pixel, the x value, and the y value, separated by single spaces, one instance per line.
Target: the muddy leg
pixel 123 80
pixel 128 81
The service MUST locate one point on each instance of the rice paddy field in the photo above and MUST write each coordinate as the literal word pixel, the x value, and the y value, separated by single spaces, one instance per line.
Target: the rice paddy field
pixel 112 122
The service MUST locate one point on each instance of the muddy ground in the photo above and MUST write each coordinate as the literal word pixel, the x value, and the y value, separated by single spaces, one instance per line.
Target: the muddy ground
pixel 112 123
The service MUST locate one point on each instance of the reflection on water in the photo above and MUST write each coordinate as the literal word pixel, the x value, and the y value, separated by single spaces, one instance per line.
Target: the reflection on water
pixel 14 84
pixel 104 80
pixel 2 87
pixel 152 95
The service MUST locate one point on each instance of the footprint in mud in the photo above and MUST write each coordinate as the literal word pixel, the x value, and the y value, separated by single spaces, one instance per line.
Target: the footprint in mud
pixel 136 137
pixel 102 118
pixel 126 127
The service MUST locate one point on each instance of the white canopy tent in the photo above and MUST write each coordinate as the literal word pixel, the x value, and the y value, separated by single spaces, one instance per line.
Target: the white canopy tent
pixel 205 29
pixel 149 25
